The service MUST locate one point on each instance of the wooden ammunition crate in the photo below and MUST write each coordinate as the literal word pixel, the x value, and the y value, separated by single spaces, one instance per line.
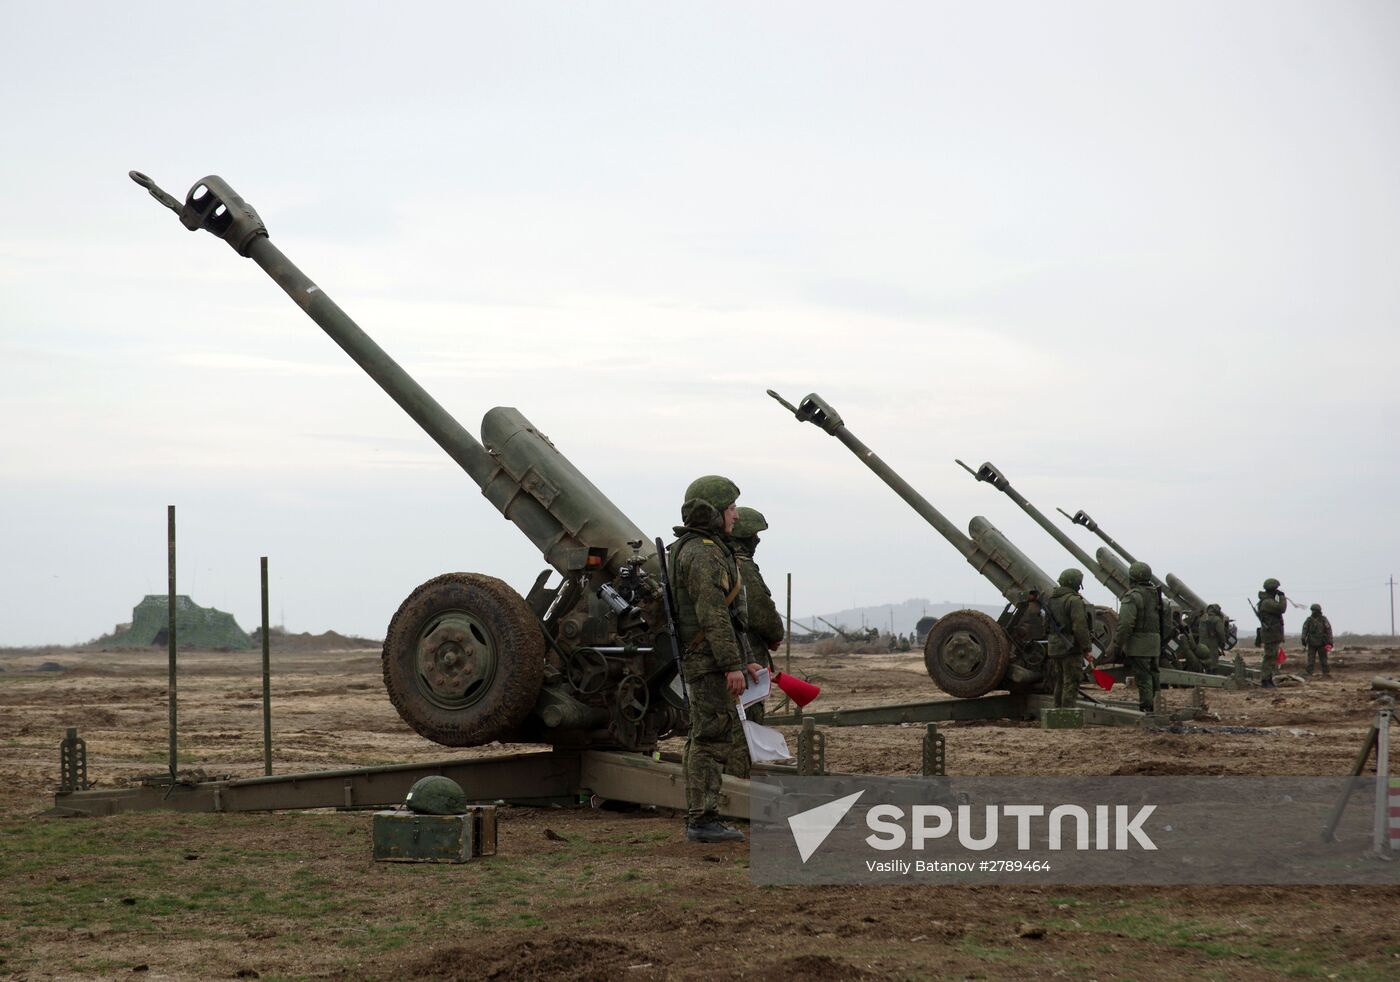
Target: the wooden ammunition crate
pixel 1061 719
pixel 403 836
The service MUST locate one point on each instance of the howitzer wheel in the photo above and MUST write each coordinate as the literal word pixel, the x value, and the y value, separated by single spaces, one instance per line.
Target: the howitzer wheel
pixel 1103 625
pixel 463 659
pixel 967 654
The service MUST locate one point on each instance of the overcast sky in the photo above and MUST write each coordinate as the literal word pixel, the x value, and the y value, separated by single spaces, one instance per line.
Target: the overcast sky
pixel 1141 256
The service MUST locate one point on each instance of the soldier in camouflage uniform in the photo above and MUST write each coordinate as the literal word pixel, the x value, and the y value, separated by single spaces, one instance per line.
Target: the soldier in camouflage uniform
pixel 1142 623
pixel 1212 636
pixel 764 625
pixel 1072 643
pixel 1272 604
pixel 705 578
pixel 1185 647
pixel 1317 638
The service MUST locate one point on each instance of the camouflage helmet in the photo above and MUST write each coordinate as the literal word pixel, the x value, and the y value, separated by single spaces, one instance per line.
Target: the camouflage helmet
pixel 1072 578
pixel 436 795
pixel 1270 585
pixel 1317 608
pixel 717 492
pixel 1212 608
pixel 749 523
pixel 1140 572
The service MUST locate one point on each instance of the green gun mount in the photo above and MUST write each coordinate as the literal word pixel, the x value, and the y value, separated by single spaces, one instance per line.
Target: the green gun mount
pixel 467 660
pixel 1114 576
pixel 967 653
pixel 1177 591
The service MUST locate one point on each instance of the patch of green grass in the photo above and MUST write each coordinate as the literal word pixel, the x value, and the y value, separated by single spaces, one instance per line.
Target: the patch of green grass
pixel 996 953
pixel 1216 941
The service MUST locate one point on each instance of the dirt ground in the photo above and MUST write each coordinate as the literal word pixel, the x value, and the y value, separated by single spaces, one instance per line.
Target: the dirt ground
pixel 597 894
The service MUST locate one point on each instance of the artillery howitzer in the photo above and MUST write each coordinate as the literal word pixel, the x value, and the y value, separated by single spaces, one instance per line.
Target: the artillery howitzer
pixel 1112 574
pixel 967 653
pixel 862 637
pixel 467 660
pixel 840 631
pixel 1107 568
pixel 1177 591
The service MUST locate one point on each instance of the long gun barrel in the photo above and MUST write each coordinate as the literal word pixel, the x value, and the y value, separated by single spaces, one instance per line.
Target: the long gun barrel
pixel 1081 517
pixel 1109 576
pixel 518 469
pixel 1188 596
pixel 467 660
pixel 844 635
pixel 986 549
pixel 1178 592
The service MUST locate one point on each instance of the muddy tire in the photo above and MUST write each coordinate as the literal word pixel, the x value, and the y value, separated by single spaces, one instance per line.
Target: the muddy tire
pixel 1103 625
pixel 967 654
pixel 463 659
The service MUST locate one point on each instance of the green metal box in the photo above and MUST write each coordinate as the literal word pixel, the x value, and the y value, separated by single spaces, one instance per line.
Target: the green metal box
pixel 1062 719
pixel 408 837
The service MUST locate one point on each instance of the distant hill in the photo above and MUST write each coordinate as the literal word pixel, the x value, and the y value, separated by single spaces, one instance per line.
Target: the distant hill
pixel 906 614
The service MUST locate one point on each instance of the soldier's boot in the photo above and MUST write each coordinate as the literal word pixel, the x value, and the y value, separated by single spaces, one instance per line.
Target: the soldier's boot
pixel 1311 658
pixel 712 831
pixel 1267 683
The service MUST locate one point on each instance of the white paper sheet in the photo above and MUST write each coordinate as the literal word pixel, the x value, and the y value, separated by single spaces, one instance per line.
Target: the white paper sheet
pixel 765 743
pixel 756 690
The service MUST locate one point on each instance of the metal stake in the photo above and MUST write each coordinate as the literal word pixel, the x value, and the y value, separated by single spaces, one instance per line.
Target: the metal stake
pixel 267 677
pixel 170 631
pixel 935 755
pixel 72 762
pixel 1380 836
pixel 788 666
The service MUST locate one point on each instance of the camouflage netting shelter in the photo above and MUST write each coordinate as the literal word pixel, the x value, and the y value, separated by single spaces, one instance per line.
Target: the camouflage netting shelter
pixel 195 626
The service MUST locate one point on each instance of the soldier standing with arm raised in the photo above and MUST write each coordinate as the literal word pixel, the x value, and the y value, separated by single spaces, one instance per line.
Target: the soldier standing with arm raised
pixel 709 593
pixel 1317 639
pixel 1142 623
pixel 764 625
pixel 1071 616
pixel 1272 604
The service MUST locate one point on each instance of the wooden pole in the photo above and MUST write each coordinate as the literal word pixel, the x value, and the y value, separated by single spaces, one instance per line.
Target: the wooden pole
pixel 170 633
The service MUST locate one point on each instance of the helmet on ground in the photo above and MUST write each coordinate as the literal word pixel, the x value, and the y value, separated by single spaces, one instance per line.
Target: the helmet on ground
pixel 1271 584
pixel 1072 578
pixel 1140 572
pixel 436 795
pixel 750 522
